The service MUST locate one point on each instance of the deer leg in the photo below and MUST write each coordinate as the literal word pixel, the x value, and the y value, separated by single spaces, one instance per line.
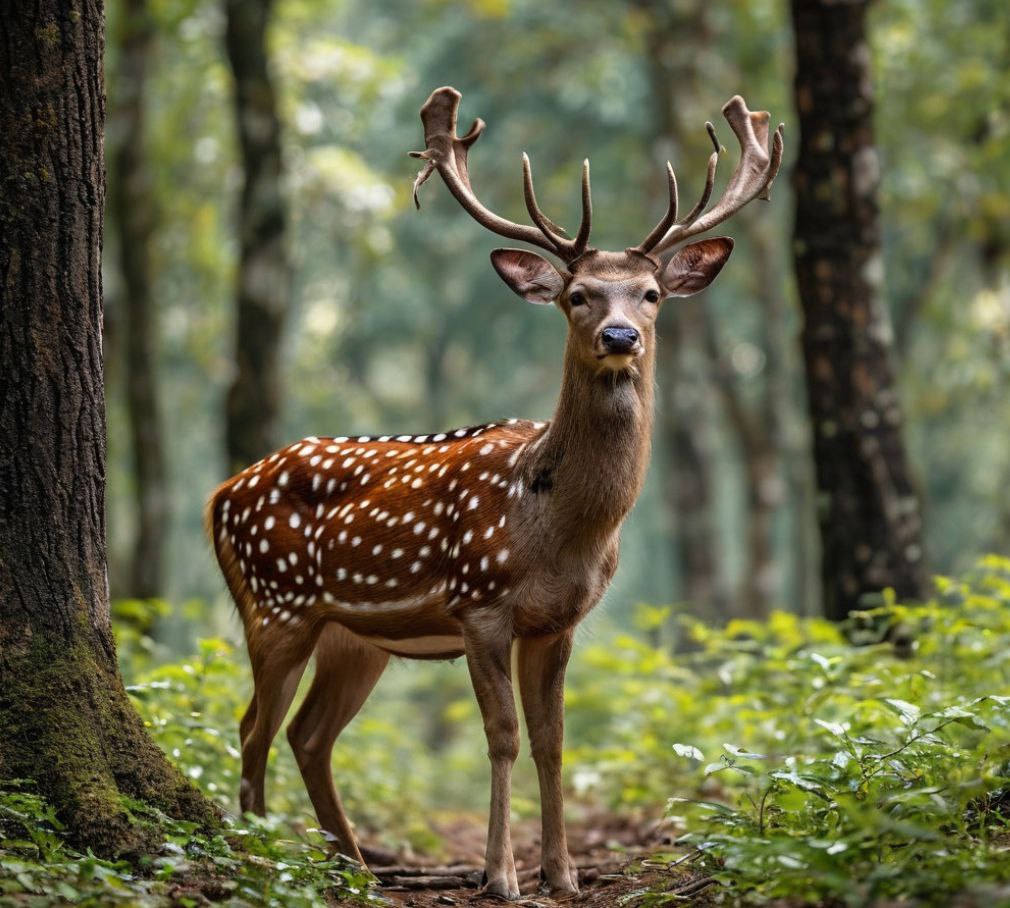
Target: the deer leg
pixel 541 667
pixel 489 658
pixel 278 664
pixel 346 673
pixel 245 726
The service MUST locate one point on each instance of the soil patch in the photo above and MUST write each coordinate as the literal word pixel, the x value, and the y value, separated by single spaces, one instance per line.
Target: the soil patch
pixel 612 853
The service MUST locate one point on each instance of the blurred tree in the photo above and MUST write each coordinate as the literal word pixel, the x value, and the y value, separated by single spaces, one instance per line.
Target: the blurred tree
pixel 264 270
pixel 946 185
pixel 67 722
pixel 133 210
pixel 703 373
pixel 684 370
pixel 402 314
pixel 758 428
pixel 871 528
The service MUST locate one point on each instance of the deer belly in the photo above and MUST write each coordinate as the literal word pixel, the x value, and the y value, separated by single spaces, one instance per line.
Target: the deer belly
pixel 418 628
pixel 433 646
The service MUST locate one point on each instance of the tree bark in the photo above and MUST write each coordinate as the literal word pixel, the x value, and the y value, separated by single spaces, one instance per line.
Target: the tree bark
pixel 758 435
pixel 684 421
pixel 132 206
pixel 684 418
pixel 65 719
pixel 869 518
pixel 264 273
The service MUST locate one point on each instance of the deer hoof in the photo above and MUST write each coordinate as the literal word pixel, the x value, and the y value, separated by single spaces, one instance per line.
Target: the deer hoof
pixel 499 887
pixel 565 882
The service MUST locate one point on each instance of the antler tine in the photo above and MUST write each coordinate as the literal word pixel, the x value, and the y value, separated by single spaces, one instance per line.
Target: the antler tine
pixel 668 220
pixel 446 152
pixel 752 178
pixel 585 227
pixel 568 249
pixel 549 229
pixel 778 144
pixel 713 163
pixel 660 230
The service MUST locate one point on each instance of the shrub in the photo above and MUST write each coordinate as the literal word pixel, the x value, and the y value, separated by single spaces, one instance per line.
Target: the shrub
pixel 806 768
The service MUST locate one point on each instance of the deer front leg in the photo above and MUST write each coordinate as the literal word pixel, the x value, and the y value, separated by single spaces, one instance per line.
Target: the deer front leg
pixel 489 658
pixel 541 664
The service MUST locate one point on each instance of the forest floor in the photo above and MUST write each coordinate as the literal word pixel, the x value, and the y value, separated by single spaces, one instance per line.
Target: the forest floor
pixel 608 850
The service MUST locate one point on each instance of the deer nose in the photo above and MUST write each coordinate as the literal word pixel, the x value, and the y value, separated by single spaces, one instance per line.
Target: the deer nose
pixel 619 340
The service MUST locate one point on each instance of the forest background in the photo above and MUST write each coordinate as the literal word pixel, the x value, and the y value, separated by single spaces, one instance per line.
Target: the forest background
pixel 266 277
pixel 390 320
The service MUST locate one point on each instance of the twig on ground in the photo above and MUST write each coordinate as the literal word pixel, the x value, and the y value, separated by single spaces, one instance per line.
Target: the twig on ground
pixel 408 870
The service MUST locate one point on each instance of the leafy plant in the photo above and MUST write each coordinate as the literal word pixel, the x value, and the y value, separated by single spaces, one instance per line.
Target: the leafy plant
pixel 253 863
pixel 811 770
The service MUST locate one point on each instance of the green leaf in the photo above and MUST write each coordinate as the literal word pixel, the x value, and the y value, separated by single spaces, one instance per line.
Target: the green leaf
pixel 742 754
pixel 909 712
pixel 799 781
pixel 834 727
pixel 963 717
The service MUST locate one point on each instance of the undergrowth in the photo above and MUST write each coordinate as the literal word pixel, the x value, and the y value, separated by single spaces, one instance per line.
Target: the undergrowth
pixel 806 769
pixel 250 863
pixel 797 768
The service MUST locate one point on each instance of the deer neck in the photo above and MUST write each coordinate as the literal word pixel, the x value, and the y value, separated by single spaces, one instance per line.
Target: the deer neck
pixel 592 460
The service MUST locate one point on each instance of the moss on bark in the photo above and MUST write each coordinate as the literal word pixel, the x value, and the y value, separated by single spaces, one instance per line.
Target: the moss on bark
pixel 66 722
pixel 69 727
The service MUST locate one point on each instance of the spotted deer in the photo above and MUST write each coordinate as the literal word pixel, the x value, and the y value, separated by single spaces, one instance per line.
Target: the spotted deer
pixel 472 541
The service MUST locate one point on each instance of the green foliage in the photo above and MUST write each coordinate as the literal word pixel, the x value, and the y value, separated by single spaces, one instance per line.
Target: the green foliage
pixel 812 770
pixel 251 864
pixel 801 767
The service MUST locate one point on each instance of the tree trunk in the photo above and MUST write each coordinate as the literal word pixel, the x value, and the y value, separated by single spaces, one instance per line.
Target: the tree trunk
pixel 759 454
pixel 870 521
pixel 66 720
pixel 684 421
pixel 132 206
pixel 264 275
pixel 684 418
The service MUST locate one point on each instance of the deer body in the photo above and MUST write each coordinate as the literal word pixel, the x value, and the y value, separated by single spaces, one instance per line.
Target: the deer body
pixel 472 541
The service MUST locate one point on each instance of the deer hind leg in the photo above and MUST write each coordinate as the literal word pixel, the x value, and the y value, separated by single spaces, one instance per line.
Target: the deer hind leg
pixel 278 658
pixel 346 672
pixel 489 658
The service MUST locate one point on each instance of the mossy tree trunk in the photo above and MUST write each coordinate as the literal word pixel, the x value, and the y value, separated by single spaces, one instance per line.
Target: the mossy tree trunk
pixel 132 204
pixel 65 719
pixel 264 272
pixel 871 530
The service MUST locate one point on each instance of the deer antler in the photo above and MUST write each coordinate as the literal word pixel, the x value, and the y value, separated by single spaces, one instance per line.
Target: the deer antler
pixel 752 179
pixel 446 152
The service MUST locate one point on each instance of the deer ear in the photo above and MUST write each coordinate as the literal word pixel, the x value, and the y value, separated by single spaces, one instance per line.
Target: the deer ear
pixel 534 278
pixel 695 266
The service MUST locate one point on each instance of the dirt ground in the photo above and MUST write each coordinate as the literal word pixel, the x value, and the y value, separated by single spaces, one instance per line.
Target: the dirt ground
pixel 609 852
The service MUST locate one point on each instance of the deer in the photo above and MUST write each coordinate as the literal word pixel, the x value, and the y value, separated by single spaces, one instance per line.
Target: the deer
pixel 472 542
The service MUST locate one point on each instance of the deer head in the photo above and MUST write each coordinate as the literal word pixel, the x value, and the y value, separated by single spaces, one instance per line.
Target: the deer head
pixel 610 299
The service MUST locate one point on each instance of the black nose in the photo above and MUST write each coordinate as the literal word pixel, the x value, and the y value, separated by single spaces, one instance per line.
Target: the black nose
pixel 619 340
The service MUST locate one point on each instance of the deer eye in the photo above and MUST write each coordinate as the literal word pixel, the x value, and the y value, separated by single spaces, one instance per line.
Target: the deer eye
pixel 576 299
pixel 652 296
